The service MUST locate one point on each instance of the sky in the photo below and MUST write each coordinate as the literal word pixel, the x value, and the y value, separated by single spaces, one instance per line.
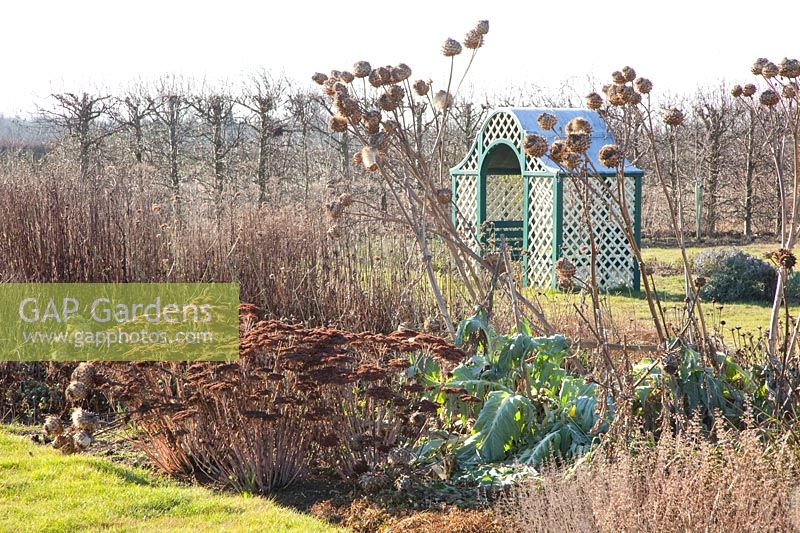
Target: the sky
pixel 52 46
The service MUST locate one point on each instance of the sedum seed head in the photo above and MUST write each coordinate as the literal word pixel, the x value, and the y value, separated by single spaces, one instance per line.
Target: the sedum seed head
pixel 748 90
pixel 769 98
pixel 609 155
pixel 482 27
pixel 643 85
pixel 673 116
pixel 535 145
pixel 594 101
pixel 451 48
pixel 546 121
pixel 361 69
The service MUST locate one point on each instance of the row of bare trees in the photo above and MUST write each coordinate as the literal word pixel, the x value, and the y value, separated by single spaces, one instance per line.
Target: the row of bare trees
pixel 267 139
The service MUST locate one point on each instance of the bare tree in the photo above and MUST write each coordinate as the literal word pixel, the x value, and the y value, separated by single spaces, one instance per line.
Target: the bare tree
pixel 169 107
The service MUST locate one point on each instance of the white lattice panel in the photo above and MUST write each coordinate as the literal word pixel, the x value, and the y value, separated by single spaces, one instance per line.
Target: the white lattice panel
pixel 534 164
pixel 466 202
pixel 540 231
pixel 502 126
pixel 471 161
pixel 614 259
pixel 504 197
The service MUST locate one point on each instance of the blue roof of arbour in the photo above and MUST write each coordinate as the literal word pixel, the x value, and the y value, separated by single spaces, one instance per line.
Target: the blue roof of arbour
pixel 600 133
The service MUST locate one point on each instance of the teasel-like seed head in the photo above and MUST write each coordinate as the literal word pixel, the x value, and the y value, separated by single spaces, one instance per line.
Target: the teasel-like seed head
pixel 769 98
pixel 789 91
pixel 76 392
pixel 578 142
pixel 361 69
pixel 546 121
pixel 390 126
pixel 345 105
pixel 618 77
pixel 758 65
pixel 369 158
pixel 442 100
pixel 338 123
pixel 628 73
pixel 335 74
pixel 328 87
pixel 397 92
pixel 789 68
pixel 571 160
pixel 374 78
pixel 346 77
pixel 379 140
pixel 372 117
pixel 53 426
pixel 594 101
pixel 473 40
pixel 84 420
pixel 444 196
pixel 401 72
pixel 673 116
pixel 736 91
pixel 578 125
pixel 482 27
pixel 643 85
pixel 386 102
pixel 748 90
pixel 451 48
pixel 421 87
pixel 535 145
pixel 565 269
pixel 82 440
pixel 770 70
pixel 557 150
pixel 609 155
pixel 85 373
pixel 319 78
pixel 372 127
pixel 616 95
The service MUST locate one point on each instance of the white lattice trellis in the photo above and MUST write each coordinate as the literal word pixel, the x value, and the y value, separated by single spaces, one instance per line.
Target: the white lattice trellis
pixel 504 197
pixel 615 262
pixel 502 126
pixel 466 202
pixel 540 231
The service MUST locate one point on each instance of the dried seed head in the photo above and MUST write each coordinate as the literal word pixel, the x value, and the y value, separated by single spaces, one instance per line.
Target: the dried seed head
pixel 76 392
pixel 789 68
pixel 451 48
pixel 769 98
pixel 82 440
pixel 618 77
pixel 643 85
pixel 789 91
pixel 400 72
pixel 565 269
pixel 338 123
pixel 53 426
pixel 594 101
pixel 84 420
pixel 758 64
pixel 578 142
pixel 386 102
pixel 328 87
pixel 784 258
pixel 369 157
pixel 571 160
pixel 482 27
pixel 628 73
pixel 546 121
pixel 372 117
pixel 374 78
pixel 396 92
pixel 699 282
pixel 85 373
pixel 770 70
pixel 609 155
pixel 335 74
pixel 442 100
pixel 632 97
pixel 421 87
pixel 749 90
pixel 673 116
pixel 319 78
pixel 346 77
pixel 578 125
pixel 372 127
pixel 557 150
pixel 361 69
pixel 535 145
pixel 390 126
pixel 616 94
pixel 736 91
pixel 473 40
pixel 346 105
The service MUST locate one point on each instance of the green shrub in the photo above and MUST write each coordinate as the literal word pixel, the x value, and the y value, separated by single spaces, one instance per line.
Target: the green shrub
pixel 732 275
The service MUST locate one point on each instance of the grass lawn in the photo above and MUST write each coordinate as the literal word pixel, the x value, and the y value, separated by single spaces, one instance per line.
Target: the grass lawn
pixel 42 490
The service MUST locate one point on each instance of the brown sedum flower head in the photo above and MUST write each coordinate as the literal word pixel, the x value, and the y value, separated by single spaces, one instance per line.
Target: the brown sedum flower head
pixel 578 142
pixel 748 90
pixel 535 145
pixel 643 85
pixel 770 70
pixel 546 121
pixel 789 91
pixel 451 48
pixel 482 27
pixel 557 150
pixel 628 73
pixel 361 69
pixel 594 101
pixel 473 40
pixel 769 98
pixel 618 77
pixel 789 68
pixel 609 155
pixel 673 116
pixel 338 123
pixel 578 125
pixel 319 78
pixel 736 91
pixel 758 65
pixel 421 87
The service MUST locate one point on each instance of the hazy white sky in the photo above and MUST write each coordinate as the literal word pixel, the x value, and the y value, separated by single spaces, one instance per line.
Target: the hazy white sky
pixel 50 46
